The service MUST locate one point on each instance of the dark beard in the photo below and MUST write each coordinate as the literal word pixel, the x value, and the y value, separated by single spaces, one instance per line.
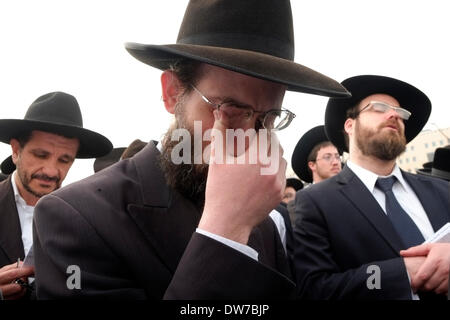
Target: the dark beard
pixel 188 179
pixel 26 182
pixel 387 146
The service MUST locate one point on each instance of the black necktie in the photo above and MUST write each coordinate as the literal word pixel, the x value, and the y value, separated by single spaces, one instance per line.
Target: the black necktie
pixel 403 224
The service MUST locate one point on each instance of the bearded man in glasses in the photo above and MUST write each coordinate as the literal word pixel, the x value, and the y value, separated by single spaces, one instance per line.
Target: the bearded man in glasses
pixel 153 227
pixel 360 233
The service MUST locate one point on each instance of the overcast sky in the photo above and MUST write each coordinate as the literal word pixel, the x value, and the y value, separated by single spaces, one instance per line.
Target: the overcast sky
pixel 78 47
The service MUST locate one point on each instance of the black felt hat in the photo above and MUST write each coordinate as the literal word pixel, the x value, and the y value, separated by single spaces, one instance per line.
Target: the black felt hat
pixel 294 183
pixel 409 97
pixel 253 37
pixel 59 113
pixel 440 167
pixel 307 142
pixel 109 159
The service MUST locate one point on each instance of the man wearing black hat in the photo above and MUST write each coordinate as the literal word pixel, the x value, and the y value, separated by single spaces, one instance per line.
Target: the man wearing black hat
pixel 354 226
pixel 44 145
pixel 184 230
pixel 440 166
pixel 315 158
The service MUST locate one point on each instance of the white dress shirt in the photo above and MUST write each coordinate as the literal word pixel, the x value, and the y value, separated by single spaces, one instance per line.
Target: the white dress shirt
pixel 403 192
pixel 25 213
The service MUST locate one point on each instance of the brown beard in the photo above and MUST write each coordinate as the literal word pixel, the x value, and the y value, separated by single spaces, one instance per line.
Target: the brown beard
pixel 385 146
pixel 187 178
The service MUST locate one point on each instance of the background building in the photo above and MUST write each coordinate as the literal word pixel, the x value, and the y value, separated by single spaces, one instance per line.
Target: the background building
pixel 421 149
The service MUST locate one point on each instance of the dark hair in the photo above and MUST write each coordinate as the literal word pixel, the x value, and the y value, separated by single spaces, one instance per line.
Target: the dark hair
pixel 23 138
pixel 313 154
pixel 351 113
pixel 187 71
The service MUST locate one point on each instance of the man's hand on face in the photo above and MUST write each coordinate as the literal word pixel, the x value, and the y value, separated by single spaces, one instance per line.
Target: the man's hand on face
pixel 239 196
pixel 433 273
pixel 8 274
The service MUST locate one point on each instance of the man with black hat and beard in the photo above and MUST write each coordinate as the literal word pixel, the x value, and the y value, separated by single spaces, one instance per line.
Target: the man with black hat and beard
pixel 44 146
pixel 360 232
pixel 182 230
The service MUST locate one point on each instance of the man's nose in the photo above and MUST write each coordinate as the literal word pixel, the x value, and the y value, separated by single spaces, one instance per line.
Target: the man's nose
pixel 51 170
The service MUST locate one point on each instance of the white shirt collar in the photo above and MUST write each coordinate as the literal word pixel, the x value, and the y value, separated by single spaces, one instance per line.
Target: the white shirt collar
pixel 369 178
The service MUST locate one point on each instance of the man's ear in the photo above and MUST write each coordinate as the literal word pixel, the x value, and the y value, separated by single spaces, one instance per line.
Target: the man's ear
pixel 15 146
pixel 311 165
pixel 171 89
pixel 348 125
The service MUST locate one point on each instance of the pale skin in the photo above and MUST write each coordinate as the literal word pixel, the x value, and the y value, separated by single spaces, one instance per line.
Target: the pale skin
pixel 44 154
pixel 428 265
pixel 237 196
pixel 322 169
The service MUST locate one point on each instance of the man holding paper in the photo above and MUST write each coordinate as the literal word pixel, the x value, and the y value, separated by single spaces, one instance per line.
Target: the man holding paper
pixel 353 229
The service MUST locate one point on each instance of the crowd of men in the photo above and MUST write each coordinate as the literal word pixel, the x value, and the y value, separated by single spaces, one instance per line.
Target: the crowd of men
pixel 148 226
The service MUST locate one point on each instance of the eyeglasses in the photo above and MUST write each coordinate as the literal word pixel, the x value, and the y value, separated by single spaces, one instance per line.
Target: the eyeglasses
pixel 384 107
pixel 330 157
pixel 274 119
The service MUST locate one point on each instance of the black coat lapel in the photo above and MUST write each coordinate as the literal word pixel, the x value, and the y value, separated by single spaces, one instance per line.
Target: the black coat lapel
pixel 356 192
pixel 165 217
pixel 436 210
pixel 10 231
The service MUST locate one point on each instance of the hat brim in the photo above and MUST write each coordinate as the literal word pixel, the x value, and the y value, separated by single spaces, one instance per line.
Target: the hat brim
pixel 295 76
pixel 307 142
pixel 294 183
pixel 92 144
pixel 408 96
pixel 105 161
pixel 434 173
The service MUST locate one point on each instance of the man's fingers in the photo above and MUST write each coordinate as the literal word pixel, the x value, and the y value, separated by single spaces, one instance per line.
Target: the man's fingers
pixel 421 250
pixel 8 276
pixel 424 273
pixel 12 291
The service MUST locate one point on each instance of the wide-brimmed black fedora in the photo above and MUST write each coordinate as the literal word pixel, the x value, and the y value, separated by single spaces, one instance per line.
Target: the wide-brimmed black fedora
pixel 59 113
pixel 105 161
pixel 408 96
pixel 8 166
pixel 294 183
pixel 253 37
pixel 307 142
pixel 440 167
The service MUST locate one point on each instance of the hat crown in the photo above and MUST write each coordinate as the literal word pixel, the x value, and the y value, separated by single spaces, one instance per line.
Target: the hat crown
pixel 441 159
pixel 263 26
pixel 56 107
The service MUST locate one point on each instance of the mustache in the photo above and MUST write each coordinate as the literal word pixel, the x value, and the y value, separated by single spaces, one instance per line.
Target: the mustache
pixel 45 177
pixel 390 123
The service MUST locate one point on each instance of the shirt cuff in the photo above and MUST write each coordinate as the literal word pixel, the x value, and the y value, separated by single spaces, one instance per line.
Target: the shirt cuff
pixel 252 253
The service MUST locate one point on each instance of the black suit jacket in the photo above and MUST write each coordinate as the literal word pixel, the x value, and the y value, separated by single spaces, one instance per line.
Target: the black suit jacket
pixel 341 230
pixel 11 245
pixel 133 237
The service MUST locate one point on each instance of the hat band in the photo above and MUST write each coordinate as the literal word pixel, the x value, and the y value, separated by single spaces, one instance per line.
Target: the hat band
pixel 270 46
pixel 440 173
